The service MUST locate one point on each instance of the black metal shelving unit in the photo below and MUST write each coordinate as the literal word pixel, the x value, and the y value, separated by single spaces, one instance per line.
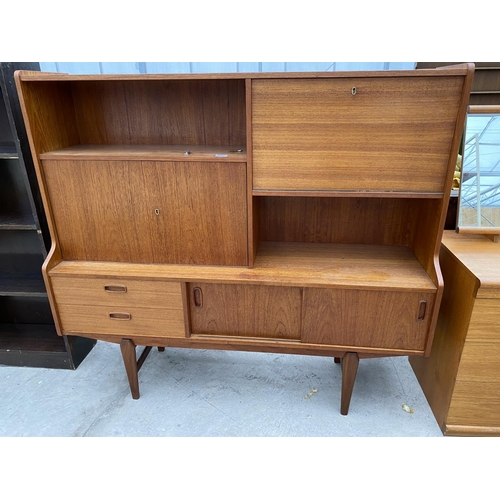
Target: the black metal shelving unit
pixel 27 333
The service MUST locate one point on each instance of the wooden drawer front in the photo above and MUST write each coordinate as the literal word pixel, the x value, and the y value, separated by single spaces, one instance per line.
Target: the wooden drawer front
pixel 142 321
pixel 485 321
pixel 475 404
pixel 366 318
pixel 117 292
pixel 150 211
pixel 245 310
pixel 392 134
pixel 480 362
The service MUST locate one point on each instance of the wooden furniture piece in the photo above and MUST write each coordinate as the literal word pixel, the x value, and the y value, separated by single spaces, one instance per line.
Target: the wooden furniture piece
pixel 461 378
pixel 28 336
pixel 295 213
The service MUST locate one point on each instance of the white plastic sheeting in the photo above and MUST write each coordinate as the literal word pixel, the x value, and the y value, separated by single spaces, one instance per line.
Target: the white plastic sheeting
pixel 215 67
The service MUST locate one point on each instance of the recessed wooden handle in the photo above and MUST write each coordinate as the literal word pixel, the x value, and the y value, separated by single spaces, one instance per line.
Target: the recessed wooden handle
pixel 198 297
pixel 421 310
pixel 120 316
pixel 115 288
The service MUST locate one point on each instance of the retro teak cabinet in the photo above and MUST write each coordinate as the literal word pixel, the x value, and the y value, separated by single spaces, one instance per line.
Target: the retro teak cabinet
pixel 296 213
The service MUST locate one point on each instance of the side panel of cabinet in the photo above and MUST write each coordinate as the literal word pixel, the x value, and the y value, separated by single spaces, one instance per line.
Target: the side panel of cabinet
pixel 363 318
pixel 245 310
pixel 353 133
pixel 150 212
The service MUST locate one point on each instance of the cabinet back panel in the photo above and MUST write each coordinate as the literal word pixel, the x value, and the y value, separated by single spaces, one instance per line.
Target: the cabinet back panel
pixel 373 221
pixel 51 115
pixel 161 112
pixel 106 211
pixel 25 309
pixel 390 134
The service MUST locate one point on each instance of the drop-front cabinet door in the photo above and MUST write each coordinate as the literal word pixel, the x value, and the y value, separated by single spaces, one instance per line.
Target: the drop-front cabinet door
pixel 365 318
pixel 150 211
pixel 378 134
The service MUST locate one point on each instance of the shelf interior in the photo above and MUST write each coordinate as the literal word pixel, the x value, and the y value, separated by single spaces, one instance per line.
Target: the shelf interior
pixel 8 150
pixel 21 264
pixel 30 337
pixel 138 115
pixel 381 267
pixel 15 207
pixel 153 152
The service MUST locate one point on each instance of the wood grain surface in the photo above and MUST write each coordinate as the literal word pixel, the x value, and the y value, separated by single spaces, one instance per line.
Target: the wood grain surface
pixel 484 323
pixel 370 267
pixel 392 134
pixel 437 373
pixel 457 70
pixel 248 311
pixel 129 292
pixel 203 112
pixel 365 318
pixel 475 404
pixel 158 212
pixel 480 362
pixel 372 221
pixel 146 322
pixel 480 256
pixel 151 152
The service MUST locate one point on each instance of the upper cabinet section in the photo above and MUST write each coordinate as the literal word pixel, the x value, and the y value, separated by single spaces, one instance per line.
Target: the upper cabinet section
pixel 355 134
pixel 191 113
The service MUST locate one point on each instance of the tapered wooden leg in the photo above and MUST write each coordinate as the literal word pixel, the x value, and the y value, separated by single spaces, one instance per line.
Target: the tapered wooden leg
pixel 161 349
pixel 350 364
pixel 129 359
pixel 337 360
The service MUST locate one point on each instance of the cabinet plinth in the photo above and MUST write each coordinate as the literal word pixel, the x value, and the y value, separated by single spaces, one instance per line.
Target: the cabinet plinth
pixel 274 213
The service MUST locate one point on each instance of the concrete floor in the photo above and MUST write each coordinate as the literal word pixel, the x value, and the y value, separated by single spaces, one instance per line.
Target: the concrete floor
pixel 213 393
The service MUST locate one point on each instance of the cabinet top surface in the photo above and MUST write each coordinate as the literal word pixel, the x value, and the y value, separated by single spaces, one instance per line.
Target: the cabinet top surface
pixel 380 267
pixel 458 70
pixel 478 254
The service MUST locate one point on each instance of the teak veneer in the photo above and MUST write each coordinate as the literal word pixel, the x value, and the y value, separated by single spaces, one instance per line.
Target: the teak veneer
pixel 296 213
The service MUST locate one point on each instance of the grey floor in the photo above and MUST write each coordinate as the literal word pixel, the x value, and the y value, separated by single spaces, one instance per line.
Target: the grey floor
pixel 213 393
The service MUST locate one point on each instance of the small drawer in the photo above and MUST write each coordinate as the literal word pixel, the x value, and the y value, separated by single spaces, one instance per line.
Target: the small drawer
pixel 475 403
pixel 483 326
pixel 122 321
pixel 480 362
pixel 117 292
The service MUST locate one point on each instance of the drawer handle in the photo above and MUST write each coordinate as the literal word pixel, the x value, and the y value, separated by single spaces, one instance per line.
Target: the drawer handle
pixel 115 288
pixel 120 316
pixel 421 310
pixel 197 297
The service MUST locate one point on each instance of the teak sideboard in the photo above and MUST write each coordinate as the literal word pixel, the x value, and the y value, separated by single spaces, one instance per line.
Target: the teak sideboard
pixel 278 212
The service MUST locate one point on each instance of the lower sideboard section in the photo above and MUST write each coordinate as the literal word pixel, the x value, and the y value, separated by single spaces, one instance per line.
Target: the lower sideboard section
pixel 370 321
